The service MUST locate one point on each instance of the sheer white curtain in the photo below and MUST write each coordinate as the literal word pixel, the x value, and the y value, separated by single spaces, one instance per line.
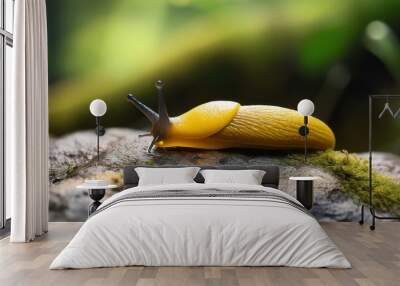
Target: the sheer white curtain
pixel 27 122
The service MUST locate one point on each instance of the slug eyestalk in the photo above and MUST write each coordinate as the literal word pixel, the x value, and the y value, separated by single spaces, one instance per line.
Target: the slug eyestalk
pixel 160 121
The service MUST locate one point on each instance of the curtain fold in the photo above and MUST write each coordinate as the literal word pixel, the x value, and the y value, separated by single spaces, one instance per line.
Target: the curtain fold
pixel 28 124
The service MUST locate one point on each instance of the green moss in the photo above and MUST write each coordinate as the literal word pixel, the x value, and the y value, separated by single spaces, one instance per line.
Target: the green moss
pixel 352 172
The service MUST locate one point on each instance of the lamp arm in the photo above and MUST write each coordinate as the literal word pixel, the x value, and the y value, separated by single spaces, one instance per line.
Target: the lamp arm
pixel 305 137
pixel 98 138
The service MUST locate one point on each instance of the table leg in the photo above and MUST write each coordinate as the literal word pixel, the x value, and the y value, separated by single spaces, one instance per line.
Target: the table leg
pixel 304 193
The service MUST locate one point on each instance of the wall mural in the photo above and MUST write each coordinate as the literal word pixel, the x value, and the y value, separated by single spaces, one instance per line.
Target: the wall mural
pixel 233 73
pixel 220 125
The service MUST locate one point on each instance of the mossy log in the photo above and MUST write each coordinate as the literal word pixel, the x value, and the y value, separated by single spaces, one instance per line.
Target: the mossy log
pixel 343 186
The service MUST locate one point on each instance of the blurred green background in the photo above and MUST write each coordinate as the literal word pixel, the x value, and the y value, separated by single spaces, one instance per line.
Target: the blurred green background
pixel 272 52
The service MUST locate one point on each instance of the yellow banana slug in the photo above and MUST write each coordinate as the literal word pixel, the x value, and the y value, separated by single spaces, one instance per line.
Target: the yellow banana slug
pixel 226 124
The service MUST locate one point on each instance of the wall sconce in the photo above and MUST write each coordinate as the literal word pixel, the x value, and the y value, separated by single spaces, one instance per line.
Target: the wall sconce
pixel 305 108
pixel 98 108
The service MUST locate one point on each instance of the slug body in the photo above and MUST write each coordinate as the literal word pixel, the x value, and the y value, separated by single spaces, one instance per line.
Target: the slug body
pixel 227 124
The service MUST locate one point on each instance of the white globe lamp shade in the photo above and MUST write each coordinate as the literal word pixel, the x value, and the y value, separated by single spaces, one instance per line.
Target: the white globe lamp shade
pixel 305 107
pixel 98 107
pixel 377 30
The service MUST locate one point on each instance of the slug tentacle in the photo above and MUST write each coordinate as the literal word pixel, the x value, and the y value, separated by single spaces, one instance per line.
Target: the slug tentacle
pixel 162 125
pixel 155 139
pixel 227 124
pixel 162 106
pixel 147 111
pixel 160 121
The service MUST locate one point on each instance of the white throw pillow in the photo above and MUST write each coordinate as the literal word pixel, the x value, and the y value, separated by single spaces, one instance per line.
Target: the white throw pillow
pixel 163 176
pixel 248 177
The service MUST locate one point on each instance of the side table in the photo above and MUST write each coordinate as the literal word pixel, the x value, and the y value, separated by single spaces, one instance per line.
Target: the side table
pixel 96 193
pixel 304 190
